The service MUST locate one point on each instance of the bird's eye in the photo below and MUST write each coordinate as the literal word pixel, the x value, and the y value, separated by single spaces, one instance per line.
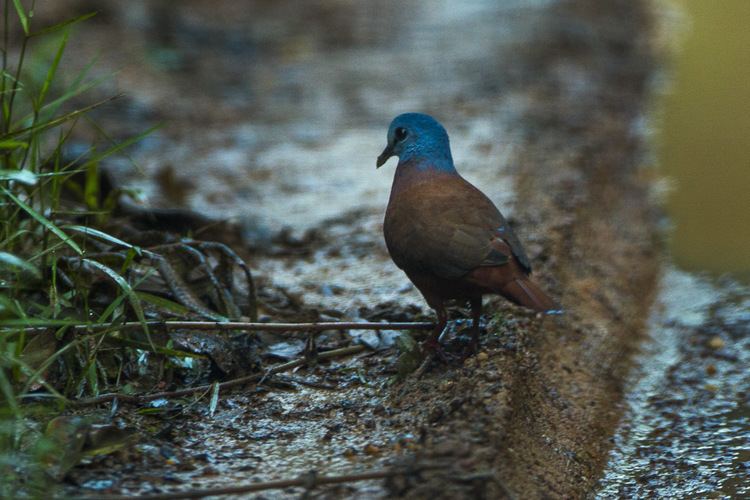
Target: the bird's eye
pixel 401 134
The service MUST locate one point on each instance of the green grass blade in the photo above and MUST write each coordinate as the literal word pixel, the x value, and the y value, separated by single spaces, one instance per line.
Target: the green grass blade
pixel 43 221
pixel 22 176
pixel 10 260
pixel 91 186
pixel 121 145
pixel 19 323
pixel 111 308
pixel 40 127
pixel 6 389
pixel 22 16
pixel 75 89
pixel 29 371
pixel 15 235
pixel 162 303
pixel 51 72
pixel 62 25
pixel 8 307
pixel 157 349
pixel 135 303
pixel 37 375
pixel 13 145
pixel 214 399
pixel 89 231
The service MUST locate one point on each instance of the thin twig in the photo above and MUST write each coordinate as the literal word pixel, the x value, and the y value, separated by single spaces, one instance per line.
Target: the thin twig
pixel 308 383
pixel 229 325
pixel 256 377
pixel 424 366
pixel 309 481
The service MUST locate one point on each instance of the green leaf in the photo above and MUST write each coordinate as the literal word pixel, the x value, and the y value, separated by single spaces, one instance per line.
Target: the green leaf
pixel 43 221
pixel 10 260
pixel 22 16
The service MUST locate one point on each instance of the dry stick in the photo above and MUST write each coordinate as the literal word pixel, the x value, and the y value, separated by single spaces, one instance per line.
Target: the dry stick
pixel 127 398
pixel 423 367
pixel 236 325
pixel 308 481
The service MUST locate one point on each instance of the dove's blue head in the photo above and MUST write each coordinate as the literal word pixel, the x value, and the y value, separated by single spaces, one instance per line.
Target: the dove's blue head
pixel 420 140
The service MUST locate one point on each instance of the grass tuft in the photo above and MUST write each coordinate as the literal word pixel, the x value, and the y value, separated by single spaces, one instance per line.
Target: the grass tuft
pixel 46 257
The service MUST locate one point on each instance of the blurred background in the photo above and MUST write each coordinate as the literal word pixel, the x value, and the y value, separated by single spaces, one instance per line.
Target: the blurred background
pixel 261 100
pixel 703 144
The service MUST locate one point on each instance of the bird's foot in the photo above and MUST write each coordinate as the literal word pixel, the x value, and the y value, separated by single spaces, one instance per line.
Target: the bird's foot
pixel 432 348
pixel 311 350
pixel 473 346
pixel 467 344
pixel 470 349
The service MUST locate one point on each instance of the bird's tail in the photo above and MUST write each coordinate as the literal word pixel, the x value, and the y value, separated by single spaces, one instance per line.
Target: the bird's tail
pixel 526 293
pixel 510 282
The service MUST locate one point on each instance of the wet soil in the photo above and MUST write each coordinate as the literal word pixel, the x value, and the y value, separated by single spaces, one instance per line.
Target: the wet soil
pixel 686 429
pixel 274 118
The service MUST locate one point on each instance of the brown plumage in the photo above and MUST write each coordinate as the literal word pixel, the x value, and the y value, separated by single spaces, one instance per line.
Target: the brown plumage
pixel 447 236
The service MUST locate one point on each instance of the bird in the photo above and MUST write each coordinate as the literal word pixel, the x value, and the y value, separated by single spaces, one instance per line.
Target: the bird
pixel 445 234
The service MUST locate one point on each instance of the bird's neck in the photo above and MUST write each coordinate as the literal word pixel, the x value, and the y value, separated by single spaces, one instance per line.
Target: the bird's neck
pixel 428 155
pixel 411 172
pixel 426 164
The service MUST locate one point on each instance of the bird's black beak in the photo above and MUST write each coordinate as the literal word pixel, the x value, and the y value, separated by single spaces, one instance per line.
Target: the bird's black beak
pixel 387 153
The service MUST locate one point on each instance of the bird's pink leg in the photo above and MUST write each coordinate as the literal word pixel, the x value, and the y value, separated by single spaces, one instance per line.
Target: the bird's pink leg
pixel 431 345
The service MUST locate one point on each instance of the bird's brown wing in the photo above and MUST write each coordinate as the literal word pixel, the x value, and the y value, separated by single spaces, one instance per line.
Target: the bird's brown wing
pixel 448 228
pixel 507 243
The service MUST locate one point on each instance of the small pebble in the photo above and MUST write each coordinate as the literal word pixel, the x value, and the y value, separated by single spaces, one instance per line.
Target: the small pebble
pixel 371 449
pixel 716 342
pixel 435 414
